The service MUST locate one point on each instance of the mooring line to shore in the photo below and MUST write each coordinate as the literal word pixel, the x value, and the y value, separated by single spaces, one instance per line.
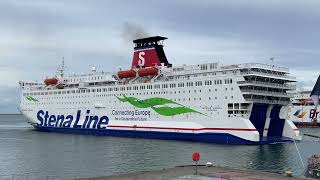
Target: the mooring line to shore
pixel 298 152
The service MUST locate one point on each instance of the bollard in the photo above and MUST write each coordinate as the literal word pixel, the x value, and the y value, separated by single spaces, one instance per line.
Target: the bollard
pixel 209 164
pixel 288 173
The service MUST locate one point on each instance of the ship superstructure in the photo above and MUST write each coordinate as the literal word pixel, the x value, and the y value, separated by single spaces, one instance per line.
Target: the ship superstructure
pixel 238 104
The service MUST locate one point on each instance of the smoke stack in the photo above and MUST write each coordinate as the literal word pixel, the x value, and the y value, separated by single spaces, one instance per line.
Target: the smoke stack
pixel 149 52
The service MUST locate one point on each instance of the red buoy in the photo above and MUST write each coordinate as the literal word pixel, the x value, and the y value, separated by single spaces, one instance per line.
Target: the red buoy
pixel 127 74
pixel 148 71
pixel 195 156
pixel 50 81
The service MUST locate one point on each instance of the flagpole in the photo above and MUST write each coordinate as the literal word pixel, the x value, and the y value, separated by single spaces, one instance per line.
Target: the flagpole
pixel 302 103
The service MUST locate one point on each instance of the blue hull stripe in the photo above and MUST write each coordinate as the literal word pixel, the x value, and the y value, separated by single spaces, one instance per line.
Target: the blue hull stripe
pixel 221 138
pixel 258 116
pixel 276 124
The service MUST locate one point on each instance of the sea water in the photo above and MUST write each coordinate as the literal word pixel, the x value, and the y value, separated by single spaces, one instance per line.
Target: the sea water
pixel 26 153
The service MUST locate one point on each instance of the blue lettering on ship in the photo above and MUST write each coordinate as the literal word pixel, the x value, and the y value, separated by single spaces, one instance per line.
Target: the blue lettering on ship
pixel 313 114
pixel 69 121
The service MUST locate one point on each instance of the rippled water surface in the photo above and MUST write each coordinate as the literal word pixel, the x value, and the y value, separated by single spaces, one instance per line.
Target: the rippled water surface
pixel 25 152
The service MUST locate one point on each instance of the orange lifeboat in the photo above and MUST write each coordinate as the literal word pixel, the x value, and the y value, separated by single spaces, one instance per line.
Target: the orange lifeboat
pixel 127 74
pixel 51 81
pixel 148 71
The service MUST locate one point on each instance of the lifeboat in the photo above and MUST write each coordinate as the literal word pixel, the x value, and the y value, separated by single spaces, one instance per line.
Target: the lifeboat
pixel 51 81
pixel 127 74
pixel 148 71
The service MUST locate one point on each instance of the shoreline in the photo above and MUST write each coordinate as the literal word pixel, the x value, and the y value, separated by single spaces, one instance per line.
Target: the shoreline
pixel 187 172
pixel 11 114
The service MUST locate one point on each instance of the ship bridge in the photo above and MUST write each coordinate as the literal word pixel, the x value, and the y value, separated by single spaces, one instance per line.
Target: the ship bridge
pixel 265 83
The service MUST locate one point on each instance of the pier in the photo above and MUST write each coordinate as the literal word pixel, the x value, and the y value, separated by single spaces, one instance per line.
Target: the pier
pixel 207 173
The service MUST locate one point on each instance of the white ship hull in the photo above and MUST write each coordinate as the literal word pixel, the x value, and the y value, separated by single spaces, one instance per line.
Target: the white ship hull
pixel 127 120
pixel 236 104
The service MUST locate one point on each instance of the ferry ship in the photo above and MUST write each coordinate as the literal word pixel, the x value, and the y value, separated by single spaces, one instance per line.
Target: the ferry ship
pixel 302 108
pixel 231 104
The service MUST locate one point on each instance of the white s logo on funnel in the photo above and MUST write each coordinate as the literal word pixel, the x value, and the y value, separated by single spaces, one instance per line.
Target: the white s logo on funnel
pixel 141 59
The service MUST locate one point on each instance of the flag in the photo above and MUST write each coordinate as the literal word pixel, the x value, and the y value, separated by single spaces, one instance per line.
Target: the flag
pixel 315 93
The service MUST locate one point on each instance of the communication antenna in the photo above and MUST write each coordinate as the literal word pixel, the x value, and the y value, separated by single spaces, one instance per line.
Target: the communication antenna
pixel 272 60
pixel 61 68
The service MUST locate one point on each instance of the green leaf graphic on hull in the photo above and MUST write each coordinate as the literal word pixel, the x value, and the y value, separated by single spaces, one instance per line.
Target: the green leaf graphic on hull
pixel 159 105
pixel 30 98
pixel 169 111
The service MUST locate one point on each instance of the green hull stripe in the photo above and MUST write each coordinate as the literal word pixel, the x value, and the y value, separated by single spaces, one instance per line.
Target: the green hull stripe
pixel 157 101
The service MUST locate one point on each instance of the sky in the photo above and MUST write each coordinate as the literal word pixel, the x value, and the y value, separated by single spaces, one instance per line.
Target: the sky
pixel 36 34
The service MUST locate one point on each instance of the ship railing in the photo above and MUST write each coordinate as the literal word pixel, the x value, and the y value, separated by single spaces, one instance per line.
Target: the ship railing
pixel 90 74
pixel 265 92
pixel 269 74
pixel 267 101
pixel 289 86
pixel 264 66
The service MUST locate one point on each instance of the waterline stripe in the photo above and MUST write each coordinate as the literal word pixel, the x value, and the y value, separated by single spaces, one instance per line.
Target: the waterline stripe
pixel 190 129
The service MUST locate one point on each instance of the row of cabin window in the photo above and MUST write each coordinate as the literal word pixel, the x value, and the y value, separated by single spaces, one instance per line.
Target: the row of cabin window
pixel 145 93
pixel 87 79
pixel 87 102
pixel 105 95
pixel 199 75
pixel 212 66
pixel 237 106
pixel 99 90
pixel 129 88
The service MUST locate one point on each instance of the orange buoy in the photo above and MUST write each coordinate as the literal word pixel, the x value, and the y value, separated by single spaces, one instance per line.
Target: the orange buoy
pixel 195 156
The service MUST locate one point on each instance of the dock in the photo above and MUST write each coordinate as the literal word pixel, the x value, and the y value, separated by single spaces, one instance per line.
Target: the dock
pixel 205 173
pixel 307 124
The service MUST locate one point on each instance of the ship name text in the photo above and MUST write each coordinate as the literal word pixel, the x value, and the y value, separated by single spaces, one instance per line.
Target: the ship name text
pixel 69 121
